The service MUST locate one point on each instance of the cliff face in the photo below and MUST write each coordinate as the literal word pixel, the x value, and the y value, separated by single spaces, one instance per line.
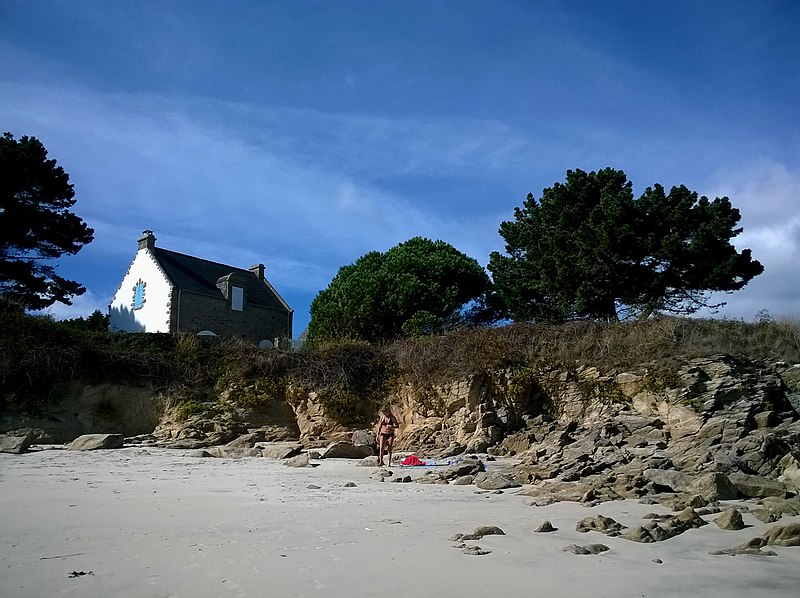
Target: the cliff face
pixel 87 408
pixel 707 415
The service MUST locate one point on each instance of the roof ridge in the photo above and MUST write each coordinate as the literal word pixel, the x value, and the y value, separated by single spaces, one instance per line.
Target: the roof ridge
pixel 199 259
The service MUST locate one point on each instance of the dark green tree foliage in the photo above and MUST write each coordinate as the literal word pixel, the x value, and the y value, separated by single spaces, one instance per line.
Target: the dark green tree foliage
pixel 96 322
pixel 415 287
pixel 588 249
pixel 36 225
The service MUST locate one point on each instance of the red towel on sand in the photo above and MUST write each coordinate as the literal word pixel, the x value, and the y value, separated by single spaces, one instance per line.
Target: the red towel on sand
pixel 412 460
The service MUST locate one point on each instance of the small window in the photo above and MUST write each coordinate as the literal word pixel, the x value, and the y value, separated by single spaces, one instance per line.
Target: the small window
pixel 237 299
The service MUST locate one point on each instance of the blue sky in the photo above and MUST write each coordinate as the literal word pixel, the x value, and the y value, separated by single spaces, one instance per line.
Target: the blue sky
pixel 304 134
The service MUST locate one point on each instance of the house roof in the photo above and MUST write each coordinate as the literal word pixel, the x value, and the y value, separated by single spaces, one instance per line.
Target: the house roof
pixel 196 275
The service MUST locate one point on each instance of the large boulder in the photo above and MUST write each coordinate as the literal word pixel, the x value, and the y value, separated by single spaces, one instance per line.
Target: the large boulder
pixel 91 442
pixel 347 450
pixel 281 450
pixel 16 443
pixel 364 438
pixel 668 480
pixel 713 486
pixel 226 452
pixel 753 486
pixel 788 535
pixel 495 481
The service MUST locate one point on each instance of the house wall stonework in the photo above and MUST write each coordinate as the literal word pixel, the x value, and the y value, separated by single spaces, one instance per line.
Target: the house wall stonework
pixel 199 312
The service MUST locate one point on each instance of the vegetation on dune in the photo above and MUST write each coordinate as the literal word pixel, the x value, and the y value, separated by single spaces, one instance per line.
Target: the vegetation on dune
pixel 38 356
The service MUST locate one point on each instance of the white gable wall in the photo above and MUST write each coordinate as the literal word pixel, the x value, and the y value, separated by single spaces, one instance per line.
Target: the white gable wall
pixel 154 315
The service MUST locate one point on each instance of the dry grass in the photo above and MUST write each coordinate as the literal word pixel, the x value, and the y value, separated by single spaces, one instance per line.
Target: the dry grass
pixel 37 356
pixel 604 345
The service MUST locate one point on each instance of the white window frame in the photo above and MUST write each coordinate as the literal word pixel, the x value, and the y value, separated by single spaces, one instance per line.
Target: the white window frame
pixel 237 298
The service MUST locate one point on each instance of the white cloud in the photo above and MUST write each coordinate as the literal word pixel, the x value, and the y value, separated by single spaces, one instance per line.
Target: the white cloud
pixel 768 197
pixel 82 306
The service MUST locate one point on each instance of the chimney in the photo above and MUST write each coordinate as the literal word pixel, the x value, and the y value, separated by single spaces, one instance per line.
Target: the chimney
pixel 147 240
pixel 258 270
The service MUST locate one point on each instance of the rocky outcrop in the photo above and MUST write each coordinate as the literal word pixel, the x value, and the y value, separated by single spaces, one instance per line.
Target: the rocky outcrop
pixel 347 450
pixel 710 429
pixel 16 443
pixel 93 442
pixel 89 408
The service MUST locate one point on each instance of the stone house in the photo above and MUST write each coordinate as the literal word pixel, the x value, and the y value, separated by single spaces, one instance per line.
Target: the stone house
pixel 166 291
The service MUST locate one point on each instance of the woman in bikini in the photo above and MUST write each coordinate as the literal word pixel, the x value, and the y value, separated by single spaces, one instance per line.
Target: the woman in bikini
pixel 384 434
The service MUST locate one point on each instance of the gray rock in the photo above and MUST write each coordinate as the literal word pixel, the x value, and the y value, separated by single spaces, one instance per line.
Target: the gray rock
pixel 790 473
pixel 16 444
pixel 235 452
pixel 545 527
pixel 474 550
pixel 481 531
pixel 453 450
pixel 689 518
pixel 714 486
pixel 787 506
pixel 495 481
pixel 753 486
pixel 244 441
pixel 479 444
pixel 347 450
pixel 668 480
pixel 730 519
pixel 766 515
pixel 588 549
pixel 464 480
pixel 432 477
pixel 469 466
pixel 364 438
pixel 281 450
pixel 601 524
pixel 639 533
pixel 788 535
pixel 91 442
pixel 752 547
pixel 185 443
pixel 300 460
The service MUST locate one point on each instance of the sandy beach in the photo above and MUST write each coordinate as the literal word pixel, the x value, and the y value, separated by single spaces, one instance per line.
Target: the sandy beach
pixel 163 523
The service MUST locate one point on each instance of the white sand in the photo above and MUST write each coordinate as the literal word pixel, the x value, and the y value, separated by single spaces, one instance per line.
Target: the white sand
pixel 155 522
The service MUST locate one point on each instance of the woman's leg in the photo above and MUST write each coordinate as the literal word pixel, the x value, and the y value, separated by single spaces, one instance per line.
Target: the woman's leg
pixel 380 449
pixel 390 445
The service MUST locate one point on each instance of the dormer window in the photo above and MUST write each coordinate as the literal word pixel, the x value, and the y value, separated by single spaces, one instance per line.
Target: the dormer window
pixel 237 298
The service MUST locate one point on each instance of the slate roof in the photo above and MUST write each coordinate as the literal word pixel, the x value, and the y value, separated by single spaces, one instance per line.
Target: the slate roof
pixel 196 275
